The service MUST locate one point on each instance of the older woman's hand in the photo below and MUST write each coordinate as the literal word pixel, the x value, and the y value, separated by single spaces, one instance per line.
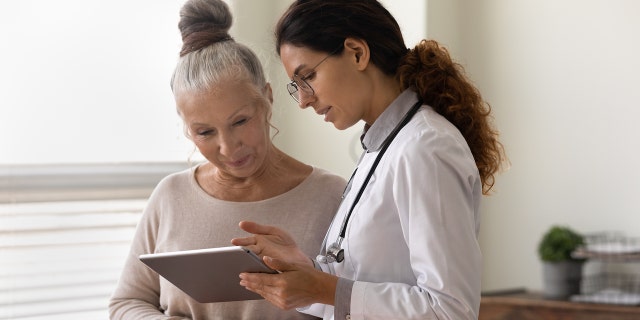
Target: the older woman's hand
pixel 272 242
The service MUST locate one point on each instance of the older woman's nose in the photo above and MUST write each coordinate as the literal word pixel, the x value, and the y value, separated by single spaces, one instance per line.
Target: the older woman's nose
pixel 228 143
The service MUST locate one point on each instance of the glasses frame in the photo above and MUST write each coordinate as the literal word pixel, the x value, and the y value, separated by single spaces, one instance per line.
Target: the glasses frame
pixel 299 82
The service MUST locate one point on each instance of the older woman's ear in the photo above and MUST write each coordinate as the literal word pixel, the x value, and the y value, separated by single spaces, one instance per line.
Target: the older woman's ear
pixel 268 92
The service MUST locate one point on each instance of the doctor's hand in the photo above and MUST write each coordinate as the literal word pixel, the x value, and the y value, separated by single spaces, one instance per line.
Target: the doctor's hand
pixel 273 242
pixel 295 286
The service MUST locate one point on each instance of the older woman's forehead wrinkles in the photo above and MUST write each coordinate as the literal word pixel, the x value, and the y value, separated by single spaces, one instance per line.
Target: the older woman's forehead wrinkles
pixel 242 108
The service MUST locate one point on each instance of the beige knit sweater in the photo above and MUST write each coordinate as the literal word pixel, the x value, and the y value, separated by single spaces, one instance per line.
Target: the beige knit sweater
pixel 181 216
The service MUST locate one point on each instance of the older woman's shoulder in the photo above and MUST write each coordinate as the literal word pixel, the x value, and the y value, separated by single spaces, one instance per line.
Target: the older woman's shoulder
pixel 325 177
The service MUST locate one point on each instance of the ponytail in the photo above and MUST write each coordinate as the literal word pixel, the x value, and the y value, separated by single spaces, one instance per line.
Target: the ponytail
pixel 441 83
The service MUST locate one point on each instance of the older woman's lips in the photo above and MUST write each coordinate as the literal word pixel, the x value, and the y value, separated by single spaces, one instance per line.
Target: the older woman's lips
pixel 238 163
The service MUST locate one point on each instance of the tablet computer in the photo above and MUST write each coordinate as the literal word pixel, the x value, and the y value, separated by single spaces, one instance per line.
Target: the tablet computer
pixel 208 275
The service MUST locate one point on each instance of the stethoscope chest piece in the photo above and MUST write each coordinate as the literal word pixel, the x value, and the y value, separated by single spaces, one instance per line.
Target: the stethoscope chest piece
pixel 335 253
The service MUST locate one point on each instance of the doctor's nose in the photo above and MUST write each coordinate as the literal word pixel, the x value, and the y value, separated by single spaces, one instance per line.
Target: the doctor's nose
pixel 306 99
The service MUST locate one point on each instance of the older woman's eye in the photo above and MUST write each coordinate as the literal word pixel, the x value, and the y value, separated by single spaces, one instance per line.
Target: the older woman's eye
pixel 205 132
pixel 240 122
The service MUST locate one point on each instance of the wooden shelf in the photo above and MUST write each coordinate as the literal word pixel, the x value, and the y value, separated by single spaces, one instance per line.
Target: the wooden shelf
pixel 606 257
pixel 532 306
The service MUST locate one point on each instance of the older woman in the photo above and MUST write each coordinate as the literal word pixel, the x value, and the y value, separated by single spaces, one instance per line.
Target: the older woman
pixel 225 102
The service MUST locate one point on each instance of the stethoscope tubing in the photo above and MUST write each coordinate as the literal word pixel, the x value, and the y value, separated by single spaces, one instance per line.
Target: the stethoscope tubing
pixel 327 257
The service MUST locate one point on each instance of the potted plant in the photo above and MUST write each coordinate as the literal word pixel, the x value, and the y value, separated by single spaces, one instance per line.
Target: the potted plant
pixel 561 272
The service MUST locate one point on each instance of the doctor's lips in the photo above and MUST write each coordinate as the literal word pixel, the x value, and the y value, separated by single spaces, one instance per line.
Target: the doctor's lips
pixel 323 111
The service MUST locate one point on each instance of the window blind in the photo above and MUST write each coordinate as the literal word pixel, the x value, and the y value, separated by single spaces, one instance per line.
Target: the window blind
pixel 64 234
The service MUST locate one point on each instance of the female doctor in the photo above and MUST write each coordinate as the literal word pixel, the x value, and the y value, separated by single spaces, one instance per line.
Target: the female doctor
pixel 404 242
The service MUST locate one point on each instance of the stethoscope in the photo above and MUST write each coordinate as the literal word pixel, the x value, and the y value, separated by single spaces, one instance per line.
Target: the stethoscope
pixel 335 253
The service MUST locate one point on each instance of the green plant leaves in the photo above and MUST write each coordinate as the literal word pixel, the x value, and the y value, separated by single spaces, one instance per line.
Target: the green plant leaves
pixel 558 243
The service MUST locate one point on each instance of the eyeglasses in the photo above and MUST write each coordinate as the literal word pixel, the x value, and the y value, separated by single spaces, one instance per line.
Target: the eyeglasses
pixel 299 82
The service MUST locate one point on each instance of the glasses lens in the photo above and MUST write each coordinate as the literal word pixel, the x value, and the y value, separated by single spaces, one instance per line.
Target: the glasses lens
pixel 292 87
pixel 302 84
pixel 297 85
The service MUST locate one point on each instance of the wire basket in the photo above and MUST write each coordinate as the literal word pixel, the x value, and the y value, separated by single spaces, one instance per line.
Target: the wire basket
pixel 609 246
pixel 610 288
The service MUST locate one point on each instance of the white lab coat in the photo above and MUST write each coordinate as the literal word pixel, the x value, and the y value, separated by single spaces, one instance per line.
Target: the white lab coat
pixel 412 240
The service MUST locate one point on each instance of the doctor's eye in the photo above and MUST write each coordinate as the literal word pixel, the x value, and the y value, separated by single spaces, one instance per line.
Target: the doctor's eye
pixel 309 76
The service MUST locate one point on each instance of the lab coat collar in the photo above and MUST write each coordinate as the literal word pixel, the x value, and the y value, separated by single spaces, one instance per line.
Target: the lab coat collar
pixel 374 136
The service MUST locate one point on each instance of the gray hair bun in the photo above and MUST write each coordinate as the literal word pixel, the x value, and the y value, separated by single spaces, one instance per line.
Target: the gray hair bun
pixel 202 23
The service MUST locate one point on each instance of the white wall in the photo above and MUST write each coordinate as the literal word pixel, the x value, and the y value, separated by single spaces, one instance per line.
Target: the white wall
pixel 562 78
pixel 88 81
